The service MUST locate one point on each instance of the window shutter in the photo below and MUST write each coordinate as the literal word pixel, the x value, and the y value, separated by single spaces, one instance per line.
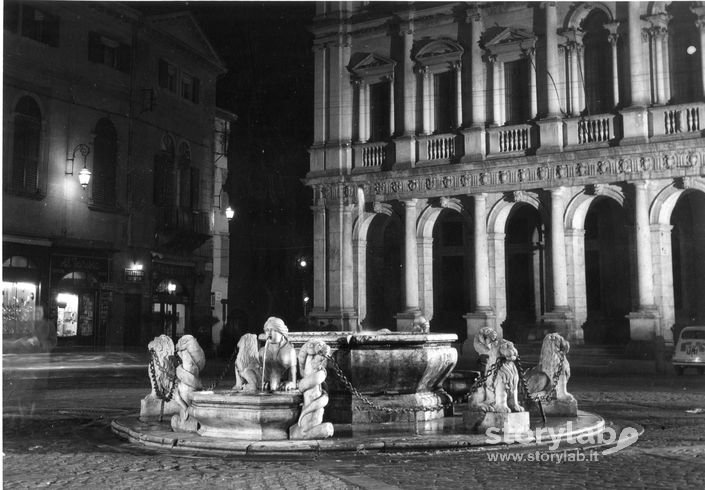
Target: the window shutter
pixel 124 58
pixel 95 48
pixel 163 74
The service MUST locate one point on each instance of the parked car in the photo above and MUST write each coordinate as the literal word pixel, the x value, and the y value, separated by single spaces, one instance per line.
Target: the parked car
pixel 690 350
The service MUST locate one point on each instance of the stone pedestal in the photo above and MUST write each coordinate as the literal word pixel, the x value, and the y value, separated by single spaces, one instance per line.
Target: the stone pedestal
pixel 475 144
pixel 556 408
pixel 406 320
pixel 151 406
pixel 644 324
pixel 404 152
pixel 551 135
pixel 511 423
pixel 475 321
pixel 635 124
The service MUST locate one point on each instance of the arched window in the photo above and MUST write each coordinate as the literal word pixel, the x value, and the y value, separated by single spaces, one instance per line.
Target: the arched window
pixel 104 163
pixel 164 174
pixel 685 64
pixel 598 63
pixel 26 145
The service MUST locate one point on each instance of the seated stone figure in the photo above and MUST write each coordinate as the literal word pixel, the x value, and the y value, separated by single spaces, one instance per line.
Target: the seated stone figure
pixel 486 343
pixel 548 381
pixel 193 360
pixel 278 357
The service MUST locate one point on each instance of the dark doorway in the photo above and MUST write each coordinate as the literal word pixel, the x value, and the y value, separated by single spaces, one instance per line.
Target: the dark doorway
pixel 452 263
pixel 525 272
pixel 384 273
pixel 607 273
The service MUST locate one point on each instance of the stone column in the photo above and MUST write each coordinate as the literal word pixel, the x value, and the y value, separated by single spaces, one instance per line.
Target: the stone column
pixel 662 250
pixel 475 136
pixel 406 318
pixel 497 90
pixel 635 121
pixel 340 100
pixel 360 263
pixel 405 144
pixel 613 37
pixel 530 55
pixel 560 318
pixel 574 81
pixel 391 106
pixel 360 111
pixel 320 259
pixel 551 127
pixel 577 293
pixel 552 64
pixel 458 94
pixel 498 277
pixel 700 24
pixel 644 323
pixel 319 94
pixel 426 90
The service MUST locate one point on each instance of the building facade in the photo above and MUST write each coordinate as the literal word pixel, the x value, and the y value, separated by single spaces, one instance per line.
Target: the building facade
pixel 530 166
pixel 130 98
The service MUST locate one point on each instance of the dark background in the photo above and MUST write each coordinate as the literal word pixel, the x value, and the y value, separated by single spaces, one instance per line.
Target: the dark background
pixel 267 49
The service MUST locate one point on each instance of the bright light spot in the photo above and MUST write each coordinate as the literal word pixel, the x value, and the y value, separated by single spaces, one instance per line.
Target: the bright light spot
pixel 171 287
pixel 691 50
pixel 303 263
pixel 306 299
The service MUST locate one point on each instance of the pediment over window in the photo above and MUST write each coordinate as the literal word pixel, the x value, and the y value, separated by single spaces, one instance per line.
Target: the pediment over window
pixel 506 42
pixel 370 65
pixel 439 54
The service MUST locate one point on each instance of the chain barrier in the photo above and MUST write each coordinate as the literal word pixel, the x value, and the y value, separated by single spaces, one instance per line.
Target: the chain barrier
pixel 534 398
pixel 480 382
pixel 164 395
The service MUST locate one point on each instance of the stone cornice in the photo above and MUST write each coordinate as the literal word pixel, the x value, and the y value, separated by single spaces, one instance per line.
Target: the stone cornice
pixel 531 173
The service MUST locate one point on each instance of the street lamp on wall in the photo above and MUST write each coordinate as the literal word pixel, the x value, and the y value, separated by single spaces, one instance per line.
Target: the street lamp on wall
pixel 229 213
pixel 84 176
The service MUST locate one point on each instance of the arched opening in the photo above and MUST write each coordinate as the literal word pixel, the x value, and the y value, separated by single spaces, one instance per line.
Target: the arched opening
pixel 452 263
pixel 688 248
pixel 685 63
pixel 525 272
pixel 598 63
pixel 26 145
pixel 384 273
pixel 104 163
pixel 607 273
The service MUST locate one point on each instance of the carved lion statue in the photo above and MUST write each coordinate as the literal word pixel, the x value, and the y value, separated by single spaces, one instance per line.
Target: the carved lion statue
pixel 486 343
pixel 506 381
pixel 554 355
pixel 161 364
pixel 248 369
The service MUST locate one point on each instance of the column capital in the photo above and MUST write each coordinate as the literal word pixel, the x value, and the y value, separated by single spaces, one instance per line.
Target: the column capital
pixel 409 202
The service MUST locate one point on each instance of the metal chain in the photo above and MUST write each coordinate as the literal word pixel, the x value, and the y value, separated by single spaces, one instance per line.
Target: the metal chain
pixel 554 382
pixel 162 395
pixel 479 382
pixel 229 364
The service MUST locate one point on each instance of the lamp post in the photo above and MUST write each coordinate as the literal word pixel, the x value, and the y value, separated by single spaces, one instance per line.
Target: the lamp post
pixel 84 176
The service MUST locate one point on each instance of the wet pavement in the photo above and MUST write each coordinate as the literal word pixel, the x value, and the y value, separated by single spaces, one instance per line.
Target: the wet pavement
pixel 56 434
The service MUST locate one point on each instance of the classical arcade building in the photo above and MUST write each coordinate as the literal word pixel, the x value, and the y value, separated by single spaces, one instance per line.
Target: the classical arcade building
pixel 528 166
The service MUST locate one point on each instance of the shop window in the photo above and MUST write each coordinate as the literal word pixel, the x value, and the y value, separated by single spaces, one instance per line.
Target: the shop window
pixel 109 52
pixel 517 91
pixel 19 304
pixel 104 164
pixel 26 146
pixel 75 303
pixel 31 22
pixel 598 63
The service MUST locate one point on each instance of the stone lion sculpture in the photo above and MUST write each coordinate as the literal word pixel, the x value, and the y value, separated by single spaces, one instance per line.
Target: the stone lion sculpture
pixel 505 383
pixel 248 369
pixel 312 361
pixel 193 360
pixel 554 357
pixel 162 377
pixel 278 356
pixel 486 343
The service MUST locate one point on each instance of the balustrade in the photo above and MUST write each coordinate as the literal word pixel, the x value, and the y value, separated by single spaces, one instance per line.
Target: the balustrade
pixel 437 147
pixel 510 139
pixel 370 155
pixel 676 119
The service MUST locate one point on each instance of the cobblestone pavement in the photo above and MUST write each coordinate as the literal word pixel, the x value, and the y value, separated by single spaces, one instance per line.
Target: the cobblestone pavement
pixel 60 438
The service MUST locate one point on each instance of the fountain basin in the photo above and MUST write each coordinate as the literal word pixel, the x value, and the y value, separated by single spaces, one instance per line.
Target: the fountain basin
pixel 250 416
pixel 393 370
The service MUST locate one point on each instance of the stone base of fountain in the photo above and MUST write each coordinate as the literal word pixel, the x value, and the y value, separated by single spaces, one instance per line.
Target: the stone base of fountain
pixel 556 408
pixel 250 416
pixel 411 407
pixel 151 407
pixel 511 423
